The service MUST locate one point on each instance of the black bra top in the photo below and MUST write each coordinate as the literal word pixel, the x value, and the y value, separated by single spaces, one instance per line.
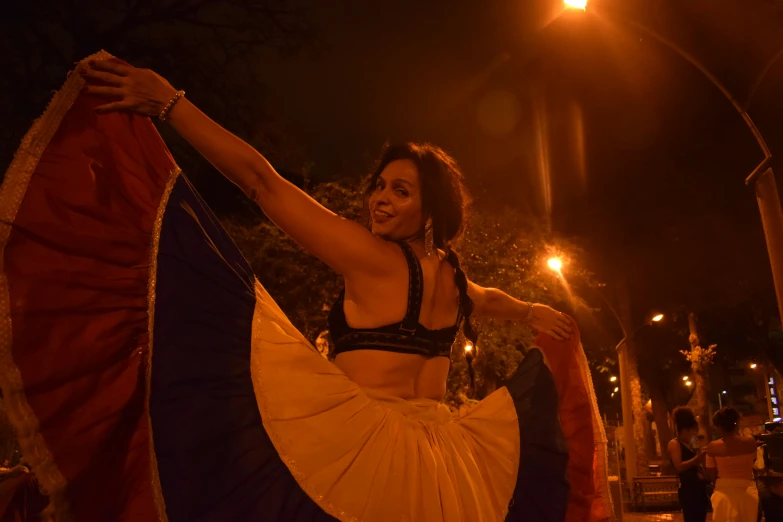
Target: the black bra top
pixel 407 336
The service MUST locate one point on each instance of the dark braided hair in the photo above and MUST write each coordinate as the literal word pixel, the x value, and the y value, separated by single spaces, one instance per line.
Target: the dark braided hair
pixel 445 199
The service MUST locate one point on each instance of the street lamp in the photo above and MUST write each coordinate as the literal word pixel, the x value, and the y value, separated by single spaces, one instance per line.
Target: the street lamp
pixel 657 318
pixel 762 178
pixel 753 366
pixel 576 4
pixel 555 264
pixel 613 378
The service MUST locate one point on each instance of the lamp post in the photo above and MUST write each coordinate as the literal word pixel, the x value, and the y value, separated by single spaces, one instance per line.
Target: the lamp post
pixel 762 178
pixel 631 470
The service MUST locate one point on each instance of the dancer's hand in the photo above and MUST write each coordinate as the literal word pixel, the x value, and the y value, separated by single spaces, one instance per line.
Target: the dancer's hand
pixel 132 89
pixel 549 321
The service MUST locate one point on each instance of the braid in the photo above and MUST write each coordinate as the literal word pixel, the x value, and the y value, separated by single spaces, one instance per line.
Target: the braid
pixel 465 302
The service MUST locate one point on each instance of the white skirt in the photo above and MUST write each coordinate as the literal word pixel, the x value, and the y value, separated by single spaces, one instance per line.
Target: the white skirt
pixel 735 501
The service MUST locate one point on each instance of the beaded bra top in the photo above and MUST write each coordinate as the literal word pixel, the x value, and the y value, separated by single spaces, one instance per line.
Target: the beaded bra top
pixel 406 336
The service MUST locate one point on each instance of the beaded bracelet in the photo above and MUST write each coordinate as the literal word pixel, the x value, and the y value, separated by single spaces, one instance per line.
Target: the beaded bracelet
pixel 529 315
pixel 170 105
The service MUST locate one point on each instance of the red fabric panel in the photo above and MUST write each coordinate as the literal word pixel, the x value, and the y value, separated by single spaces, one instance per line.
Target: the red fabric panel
pixel 78 266
pixel 576 417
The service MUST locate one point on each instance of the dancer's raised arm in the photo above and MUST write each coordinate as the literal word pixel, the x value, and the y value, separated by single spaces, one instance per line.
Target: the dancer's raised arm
pixel 494 303
pixel 341 243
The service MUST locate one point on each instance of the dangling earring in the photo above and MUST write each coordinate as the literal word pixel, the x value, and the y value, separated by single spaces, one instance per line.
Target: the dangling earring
pixel 429 238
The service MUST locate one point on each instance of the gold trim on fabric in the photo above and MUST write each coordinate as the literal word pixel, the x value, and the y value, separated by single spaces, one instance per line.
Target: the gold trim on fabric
pixel 12 192
pixel 157 492
pixel 599 433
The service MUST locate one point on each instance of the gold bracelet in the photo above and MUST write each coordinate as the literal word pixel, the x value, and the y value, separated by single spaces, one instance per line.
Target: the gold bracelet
pixel 529 315
pixel 164 114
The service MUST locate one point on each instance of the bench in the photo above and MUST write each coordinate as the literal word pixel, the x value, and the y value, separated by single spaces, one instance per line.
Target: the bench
pixel 655 492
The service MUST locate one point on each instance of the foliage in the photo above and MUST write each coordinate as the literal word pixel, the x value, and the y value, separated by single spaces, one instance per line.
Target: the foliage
pixel 503 249
pixel 699 357
pixel 507 249
pixel 302 285
pixel 42 39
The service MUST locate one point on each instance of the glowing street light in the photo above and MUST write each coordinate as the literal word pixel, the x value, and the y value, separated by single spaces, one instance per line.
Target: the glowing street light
pixel 616 389
pixel 576 4
pixel 468 347
pixel 555 264
pixel 657 318
pixel 688 383
pixel 685 378
pixel 613 378
pixel 753 366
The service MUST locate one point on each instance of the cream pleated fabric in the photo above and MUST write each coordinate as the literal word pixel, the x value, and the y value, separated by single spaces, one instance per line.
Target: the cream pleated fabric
pixel 735 500
pixel 372 457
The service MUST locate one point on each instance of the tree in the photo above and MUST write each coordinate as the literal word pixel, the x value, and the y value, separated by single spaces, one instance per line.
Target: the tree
pixel 302 285
pixel 504 249
pixel 661 367
pixel 699 359
pixel 42 39
pixel 507 249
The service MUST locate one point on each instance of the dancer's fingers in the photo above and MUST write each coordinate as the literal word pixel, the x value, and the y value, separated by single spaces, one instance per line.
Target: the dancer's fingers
pixel 102 77
pixel 111 67
pixel 555 335
pixel 106 92
pixel 564 323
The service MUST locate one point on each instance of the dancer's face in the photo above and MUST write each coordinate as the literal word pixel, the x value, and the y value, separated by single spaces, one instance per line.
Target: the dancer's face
pixel 395 203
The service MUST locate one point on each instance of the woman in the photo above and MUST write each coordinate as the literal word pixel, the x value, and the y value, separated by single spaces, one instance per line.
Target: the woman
pixel 688 462
pixel 730 462
pixel 198 400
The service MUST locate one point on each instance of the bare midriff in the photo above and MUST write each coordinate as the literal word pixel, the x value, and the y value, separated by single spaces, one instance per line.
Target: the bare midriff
pixel 407 376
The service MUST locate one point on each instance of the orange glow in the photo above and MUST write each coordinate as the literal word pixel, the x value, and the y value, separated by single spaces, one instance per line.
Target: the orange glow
pixel 753 366
pixel 612 379
pixel 688 383
pixel 579 143
pixel 543 160
pixel 555 263
pixel 576 4
pixel 468 347
pixel 658 318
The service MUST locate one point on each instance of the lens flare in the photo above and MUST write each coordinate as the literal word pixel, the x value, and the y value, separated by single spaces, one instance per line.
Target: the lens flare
pixel 576 4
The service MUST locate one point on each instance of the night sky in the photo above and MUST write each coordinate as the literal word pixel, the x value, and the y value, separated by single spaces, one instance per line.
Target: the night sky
pixel 656 193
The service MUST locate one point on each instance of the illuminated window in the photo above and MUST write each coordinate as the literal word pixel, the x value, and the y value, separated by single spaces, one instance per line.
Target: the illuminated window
pixel 771 380
pixel 774 400
pixel 775 411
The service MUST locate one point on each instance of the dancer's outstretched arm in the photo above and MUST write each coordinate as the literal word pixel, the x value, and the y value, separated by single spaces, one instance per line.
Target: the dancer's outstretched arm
pixel 346 246
pixel 494 303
